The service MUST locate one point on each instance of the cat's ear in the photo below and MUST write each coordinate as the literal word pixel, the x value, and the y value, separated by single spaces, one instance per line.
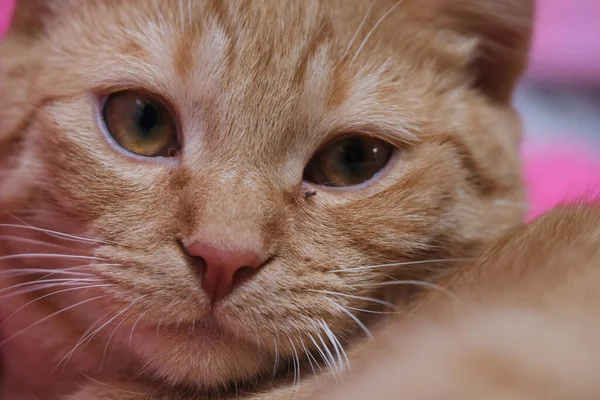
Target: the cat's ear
pixel 502 30
pixel 31 16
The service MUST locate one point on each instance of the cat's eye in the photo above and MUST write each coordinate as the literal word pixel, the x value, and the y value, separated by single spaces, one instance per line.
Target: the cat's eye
pixel 348 161
pixel 140 123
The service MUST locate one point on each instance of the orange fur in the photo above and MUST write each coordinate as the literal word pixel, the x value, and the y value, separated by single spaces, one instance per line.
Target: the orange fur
pixel 257 88
pixel 525 325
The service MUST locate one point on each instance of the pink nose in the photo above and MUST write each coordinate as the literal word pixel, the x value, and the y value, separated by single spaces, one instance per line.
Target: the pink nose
pixel 224 269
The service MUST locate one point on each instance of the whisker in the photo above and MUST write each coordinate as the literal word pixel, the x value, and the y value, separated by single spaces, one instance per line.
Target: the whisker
pixel 351 296
pixel 41 287
pixel 338 363
pixel 424 284
pixel 112 387
pixel 33 283
pixel 339 349
pixel 158 326
pixel 374 28
pixel 400 264
pixel 309 357
pixel 84 266
pixel 296 363
pixel 134 325
pixel 276 361
pixel 108 342
pixel 50 255
pixel 59 235
pixel 2 343
pixel 32 241
pixel 181 18
pixel 145 367
pixel 358 321
pixel 51 294
pixel 87 331
pixel 362 24
pixel 331 363
pixel 321 353
pixel 372 311
pixel 32 271
pixel 90 336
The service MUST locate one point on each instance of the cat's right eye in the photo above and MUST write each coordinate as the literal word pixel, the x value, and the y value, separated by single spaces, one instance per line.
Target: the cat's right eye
pixel 140 123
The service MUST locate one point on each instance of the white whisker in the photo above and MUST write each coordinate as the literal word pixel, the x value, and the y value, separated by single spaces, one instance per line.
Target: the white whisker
pixel 108 342
pixel 374 28
pixel 83 266
pixel 47 318
pixel 400 264
pixel 45 286
pixel 321 352
pixel 339 349
pixel 362 24
pixel 351 296
pixel 50 255
pixel 181 17
pixel 296 363
pixel 90 336
pixel 276 361
pixel 32 271
pixel 33 283
pixel 59 235
pixel 424 284
pixel 310 358
pixel 331 363
pixel 114 388
pixel 372 311
pixel 158 327
pixel 358 321
pixel 145 367
pixel 52 294
pixel 32 241
pixel 134 325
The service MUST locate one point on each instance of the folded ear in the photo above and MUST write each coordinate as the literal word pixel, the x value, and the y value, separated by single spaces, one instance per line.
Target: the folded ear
pixel 502 29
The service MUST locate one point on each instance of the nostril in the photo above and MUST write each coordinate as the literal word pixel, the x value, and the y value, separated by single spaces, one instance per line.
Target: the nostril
pixel 200 266
pixel 242 275
pixel 197 263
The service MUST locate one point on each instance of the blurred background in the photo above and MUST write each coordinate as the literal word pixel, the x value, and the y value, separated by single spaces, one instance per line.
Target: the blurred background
pixel 559 100
pixel 560 94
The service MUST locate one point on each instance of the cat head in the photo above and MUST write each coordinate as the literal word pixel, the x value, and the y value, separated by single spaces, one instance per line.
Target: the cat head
pixel 250 175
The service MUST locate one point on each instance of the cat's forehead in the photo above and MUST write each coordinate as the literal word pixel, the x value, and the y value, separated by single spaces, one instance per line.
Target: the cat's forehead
pixel 272 70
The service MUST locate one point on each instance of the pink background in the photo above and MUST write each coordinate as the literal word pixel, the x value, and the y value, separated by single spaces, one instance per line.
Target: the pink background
pixel 5 11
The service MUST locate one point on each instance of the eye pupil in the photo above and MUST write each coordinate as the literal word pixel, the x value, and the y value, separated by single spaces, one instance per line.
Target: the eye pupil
pixel 348 161
pixel 353 156
pixel 148 118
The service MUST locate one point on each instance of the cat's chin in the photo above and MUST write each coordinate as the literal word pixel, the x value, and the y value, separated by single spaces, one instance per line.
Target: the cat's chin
pixel 199 355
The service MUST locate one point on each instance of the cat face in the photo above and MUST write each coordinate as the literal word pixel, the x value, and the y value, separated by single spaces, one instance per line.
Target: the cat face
pixel 242 167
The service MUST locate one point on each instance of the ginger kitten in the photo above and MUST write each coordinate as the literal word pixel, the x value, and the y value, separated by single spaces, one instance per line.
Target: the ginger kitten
pixel 212 194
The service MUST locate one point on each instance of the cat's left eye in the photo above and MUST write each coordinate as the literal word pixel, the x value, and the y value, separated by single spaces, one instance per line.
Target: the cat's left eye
pixel 348 161
pixel 140 123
